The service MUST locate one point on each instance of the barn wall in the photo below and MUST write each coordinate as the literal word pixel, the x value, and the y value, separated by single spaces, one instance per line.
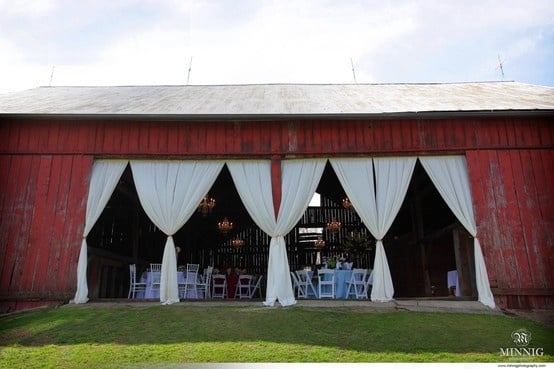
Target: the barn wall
pixel 514 206
pixel 45 168
pixel 42 209
pixel 266 138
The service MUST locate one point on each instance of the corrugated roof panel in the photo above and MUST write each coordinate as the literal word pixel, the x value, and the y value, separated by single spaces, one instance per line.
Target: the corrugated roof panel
pixel 279 99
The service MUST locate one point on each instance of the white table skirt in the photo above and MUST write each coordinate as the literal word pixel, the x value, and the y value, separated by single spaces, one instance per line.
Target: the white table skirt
pixel 342 277
pixel 154 293
pixel 452 281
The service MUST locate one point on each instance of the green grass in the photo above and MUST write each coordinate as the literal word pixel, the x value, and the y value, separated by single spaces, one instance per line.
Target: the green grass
pixel 85 336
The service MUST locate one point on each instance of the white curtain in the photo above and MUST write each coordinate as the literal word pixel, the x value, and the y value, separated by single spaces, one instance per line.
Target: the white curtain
pixel 169 192
pixel 376 204
pixel 299 181
pixel 104 178
pixel 450 176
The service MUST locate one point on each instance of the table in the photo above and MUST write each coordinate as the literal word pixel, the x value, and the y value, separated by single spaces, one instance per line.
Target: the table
pixel 342 277
pixel 154 293
pixel 452 281
pixel 232 280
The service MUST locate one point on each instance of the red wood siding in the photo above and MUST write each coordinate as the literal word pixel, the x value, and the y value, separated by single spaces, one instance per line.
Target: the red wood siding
pixel 266 138
pixel 41 222
pixel 514 206
pixel 45 168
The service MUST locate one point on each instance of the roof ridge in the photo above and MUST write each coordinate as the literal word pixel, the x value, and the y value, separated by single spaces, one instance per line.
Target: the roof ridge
pixel 289 84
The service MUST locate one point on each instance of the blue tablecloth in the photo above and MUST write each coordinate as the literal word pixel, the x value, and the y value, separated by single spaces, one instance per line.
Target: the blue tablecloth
pixel 342 277
pixel 154 293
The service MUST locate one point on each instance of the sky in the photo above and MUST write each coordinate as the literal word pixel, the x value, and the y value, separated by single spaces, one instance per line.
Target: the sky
pixel 206 42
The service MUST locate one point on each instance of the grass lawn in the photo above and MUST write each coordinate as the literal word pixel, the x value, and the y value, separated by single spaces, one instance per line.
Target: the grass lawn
pixel 84 336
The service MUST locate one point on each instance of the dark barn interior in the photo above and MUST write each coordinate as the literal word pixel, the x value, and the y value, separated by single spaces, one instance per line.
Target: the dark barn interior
pixel 424 242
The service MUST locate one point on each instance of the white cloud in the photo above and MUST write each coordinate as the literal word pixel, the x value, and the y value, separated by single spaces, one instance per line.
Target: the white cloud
pixel 27 8
pixel 151 42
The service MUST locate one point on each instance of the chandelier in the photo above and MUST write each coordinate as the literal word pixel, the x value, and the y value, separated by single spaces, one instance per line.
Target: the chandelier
pixel 346 203
pixel 225 226
pixel 237 243
pixel 206 205
pixel 334 226
pixel 319 243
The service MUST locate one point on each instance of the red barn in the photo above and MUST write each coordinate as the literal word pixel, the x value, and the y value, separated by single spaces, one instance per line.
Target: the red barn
pixel 500 134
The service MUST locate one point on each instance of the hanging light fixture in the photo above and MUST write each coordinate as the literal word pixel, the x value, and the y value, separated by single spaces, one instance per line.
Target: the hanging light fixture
pixel 346 203
pixel 319 243
pixel 206 205
pixel 237 243
pixel 225 225
pixel 334 225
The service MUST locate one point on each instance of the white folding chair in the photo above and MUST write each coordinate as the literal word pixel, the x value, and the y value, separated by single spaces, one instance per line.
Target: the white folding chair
pixel 326 283
pixel 203 286
pixel 296 288
pixel 156 270
pixel 368 283
pixel 219 286
pixel 191 280
pixel 305 283
pixel 134 286
pixel 357 284
pixel 242 290
pixel 256 286
pixel 155 267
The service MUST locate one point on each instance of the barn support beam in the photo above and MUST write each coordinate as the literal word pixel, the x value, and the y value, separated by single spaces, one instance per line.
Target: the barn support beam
pixel 276 172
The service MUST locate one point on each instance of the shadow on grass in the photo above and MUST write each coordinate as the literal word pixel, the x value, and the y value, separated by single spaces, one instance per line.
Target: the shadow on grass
pixel 405 332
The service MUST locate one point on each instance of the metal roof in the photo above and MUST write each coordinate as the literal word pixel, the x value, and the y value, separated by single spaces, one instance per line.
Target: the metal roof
pixel 279 99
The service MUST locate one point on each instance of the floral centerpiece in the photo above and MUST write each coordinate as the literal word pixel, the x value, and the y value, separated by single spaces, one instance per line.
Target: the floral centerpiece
pixel 357 243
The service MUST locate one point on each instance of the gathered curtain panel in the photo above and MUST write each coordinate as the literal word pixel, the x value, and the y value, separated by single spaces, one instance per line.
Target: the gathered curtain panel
pixel 377 204
pixel 169 192
pixel 104 178
pixel 299 181
pixel 450 176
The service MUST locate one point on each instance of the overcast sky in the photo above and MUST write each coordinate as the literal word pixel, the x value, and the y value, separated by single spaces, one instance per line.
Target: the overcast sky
pixel 126 42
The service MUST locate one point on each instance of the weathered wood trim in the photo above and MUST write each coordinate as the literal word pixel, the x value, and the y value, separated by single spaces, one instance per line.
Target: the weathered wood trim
pixel 308 137
pixel 523 291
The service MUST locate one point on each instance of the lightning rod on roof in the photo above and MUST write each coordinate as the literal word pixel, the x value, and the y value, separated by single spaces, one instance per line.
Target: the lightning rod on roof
pixel 501 67
pixel 190 67
pixel 51 75
pixel 353 71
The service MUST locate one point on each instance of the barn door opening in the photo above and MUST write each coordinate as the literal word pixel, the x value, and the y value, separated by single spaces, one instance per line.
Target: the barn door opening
pixel 425 242
pixel 125 235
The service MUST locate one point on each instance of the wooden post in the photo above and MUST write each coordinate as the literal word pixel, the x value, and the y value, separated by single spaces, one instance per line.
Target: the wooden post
pixel 276 182
pixel 418 229
pixel 463 247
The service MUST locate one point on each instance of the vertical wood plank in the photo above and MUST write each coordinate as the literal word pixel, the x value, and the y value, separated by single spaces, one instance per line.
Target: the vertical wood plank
pixel 276 172
pixel 13 213
pixel 9 194
pixel 275 138
pixel 483 205
pixel 531 219
pixel 541 166
pixel 211 138
pixel 513 236
pixel 24 227
pixel 73 226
